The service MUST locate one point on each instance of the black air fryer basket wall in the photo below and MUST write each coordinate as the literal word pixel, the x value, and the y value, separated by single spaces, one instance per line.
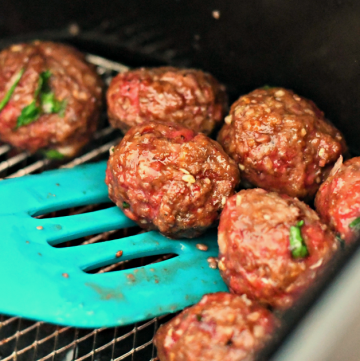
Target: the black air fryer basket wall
pixel 309 46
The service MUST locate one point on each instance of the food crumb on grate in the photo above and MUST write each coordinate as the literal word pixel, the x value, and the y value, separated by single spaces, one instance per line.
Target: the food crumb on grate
pixel 40 227
pixel 119 254
pixel 216 14
pixel 65 275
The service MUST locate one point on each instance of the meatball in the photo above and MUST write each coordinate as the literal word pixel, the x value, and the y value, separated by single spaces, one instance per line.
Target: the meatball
pixel 50 98
pixel 271 246
pixel 186 96
pixel 167 177
pixel 221 327
pixel 281 141
pixel 338 199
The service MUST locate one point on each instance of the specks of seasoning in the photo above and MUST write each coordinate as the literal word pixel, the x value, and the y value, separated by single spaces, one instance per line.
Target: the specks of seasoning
pixel 258 331
pixel 223 201
pixel 262 138
pixel 57 184
pixel 228 119
pixel 317 264
pixel 321 152
pixel 207 180
pixel 221 265
pixel 27 242
pixel 184 171
pixel 241 166
pixel 39 254
pixel 111 150
pixel 212 262
pixel 40 227
pixel 238 200
pixel 254 316
pixel 279 93
pixel 216 14
pixel 119 254
pixel 202 247
pixel 188 178
pixel 246 300
pixel 199 317
pixel 126 205
pixel 65 275
pixel 303 132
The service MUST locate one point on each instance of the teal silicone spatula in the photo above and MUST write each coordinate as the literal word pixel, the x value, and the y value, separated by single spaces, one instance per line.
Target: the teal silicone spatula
pixel 41 282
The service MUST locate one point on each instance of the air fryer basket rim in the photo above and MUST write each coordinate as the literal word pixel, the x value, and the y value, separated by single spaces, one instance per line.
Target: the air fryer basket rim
pixel 305 46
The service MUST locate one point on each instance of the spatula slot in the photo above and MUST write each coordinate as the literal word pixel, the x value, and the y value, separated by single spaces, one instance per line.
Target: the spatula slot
pixel 75 210
pixel 132 263
pixel 101 237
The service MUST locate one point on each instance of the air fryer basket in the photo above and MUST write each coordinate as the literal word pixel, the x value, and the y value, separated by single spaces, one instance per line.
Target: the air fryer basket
pixel 308 46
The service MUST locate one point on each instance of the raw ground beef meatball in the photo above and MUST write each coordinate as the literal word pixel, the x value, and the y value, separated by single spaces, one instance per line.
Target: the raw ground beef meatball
pixel 221 327
pixel 281 141
pixel 187 96
pixel 338 199
pixel 56 98
pixel 265 253
pixel 166 177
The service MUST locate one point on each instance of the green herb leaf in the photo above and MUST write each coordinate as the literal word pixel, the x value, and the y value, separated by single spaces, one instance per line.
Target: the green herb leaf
pixel 48 103
pixel 10 92
pixel 126 205
pixel 355 223
pixel 297 245
pixel 53 154
pixel 267 87
pixel 28 115
pixel 199 317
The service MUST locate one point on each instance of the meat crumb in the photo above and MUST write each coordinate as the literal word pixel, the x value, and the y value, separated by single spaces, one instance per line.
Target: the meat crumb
pixel 40 227
pixel 65 275
pixel 216 14
pixel 202 247
pixel 119 254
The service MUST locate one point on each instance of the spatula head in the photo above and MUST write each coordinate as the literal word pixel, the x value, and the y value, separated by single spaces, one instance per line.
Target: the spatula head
pixel 41 282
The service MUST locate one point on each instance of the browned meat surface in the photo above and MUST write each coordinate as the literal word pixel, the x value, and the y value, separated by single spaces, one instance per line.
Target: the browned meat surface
pixel 56 101
pixel 167 177
pixel 338 199
pixel 186 96
pixel 221 327
pixel 281 141
pixel 258 255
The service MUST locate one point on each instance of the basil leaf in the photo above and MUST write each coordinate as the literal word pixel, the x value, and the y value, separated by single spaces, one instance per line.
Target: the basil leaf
pixel 10 92
pixel 53 154
pixel 297 244
pixel 28 115
pixel 355 223
pixel 126 205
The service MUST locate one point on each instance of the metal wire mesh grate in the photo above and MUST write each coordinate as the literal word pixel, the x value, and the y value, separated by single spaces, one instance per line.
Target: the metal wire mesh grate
pixel 25 340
